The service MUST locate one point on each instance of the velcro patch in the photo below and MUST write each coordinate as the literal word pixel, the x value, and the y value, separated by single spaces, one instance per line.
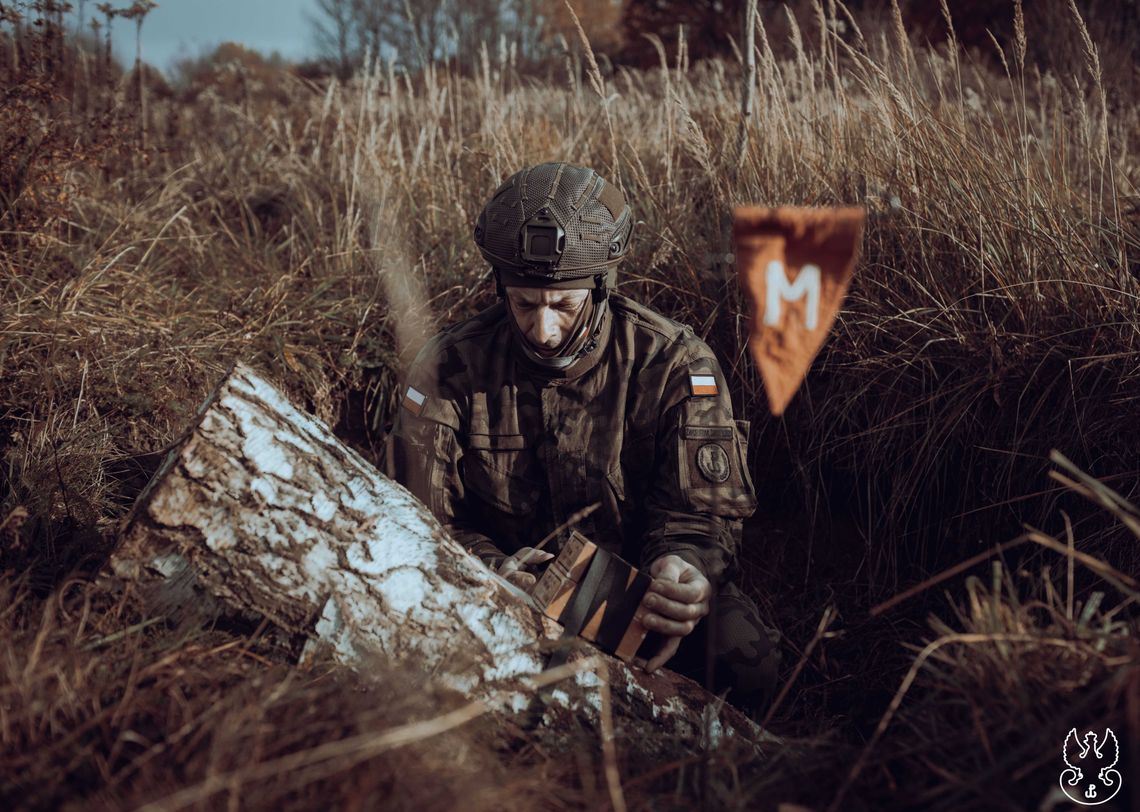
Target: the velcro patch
pixel 702 384
pixel 712 462
pixel 414 400
pixel 706 432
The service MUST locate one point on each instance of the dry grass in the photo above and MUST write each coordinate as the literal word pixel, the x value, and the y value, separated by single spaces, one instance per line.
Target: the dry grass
pixel 1022 661
pixel 321 232
pixel 101 710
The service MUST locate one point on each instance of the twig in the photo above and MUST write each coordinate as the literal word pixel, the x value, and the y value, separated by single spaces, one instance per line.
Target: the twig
pixel 573 520
pixel 1125 583
pixel 944 575
pixel 609 751
pixel 1088 487
pixel 748 91
pixel 1097 491
pixel 111 638
pixel 829 615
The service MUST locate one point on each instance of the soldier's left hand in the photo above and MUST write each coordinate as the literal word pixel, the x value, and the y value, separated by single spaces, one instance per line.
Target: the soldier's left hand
pixel 677 599
pixel 514 568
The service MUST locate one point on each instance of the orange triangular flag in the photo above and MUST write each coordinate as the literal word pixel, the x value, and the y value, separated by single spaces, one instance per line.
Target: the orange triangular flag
pixel 794 266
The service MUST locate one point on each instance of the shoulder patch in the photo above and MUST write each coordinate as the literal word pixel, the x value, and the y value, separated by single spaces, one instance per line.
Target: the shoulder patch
pixel 702 385
pixel 712 462
pixel 414 401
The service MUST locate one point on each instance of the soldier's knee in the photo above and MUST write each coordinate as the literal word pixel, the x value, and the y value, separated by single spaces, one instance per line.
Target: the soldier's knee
pixel 751 673
pixel 747 653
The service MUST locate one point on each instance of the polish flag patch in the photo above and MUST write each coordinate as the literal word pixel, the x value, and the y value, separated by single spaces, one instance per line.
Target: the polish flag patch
pixel 702 384
pixel 414 400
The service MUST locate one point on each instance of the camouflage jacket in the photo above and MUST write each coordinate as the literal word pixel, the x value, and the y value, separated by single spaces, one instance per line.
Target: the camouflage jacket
pixel 503 453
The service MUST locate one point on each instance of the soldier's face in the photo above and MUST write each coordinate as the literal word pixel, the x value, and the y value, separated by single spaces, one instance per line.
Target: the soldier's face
pixel 545 316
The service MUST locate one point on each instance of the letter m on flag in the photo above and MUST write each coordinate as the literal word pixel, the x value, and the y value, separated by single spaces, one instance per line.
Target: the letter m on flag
pixel 780 289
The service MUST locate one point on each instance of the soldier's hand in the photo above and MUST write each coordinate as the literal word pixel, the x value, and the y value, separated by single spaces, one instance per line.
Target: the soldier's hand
pixel 514 567
pixel 678 597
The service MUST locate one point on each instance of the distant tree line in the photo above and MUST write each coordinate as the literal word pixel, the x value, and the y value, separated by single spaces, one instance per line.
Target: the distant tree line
pixel 637 32
pixel 415 32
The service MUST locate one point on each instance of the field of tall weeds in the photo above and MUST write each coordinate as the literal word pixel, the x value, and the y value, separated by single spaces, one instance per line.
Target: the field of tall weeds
pixel 950 608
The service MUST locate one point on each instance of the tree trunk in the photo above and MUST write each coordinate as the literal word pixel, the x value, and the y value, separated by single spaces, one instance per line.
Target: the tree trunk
pixel 261 510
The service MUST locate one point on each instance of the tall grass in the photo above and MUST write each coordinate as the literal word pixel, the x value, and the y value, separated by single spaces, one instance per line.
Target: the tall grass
pixel 990 320
pixel 322 231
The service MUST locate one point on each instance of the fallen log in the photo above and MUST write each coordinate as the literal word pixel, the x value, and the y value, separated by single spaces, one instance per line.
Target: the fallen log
pixel 262 511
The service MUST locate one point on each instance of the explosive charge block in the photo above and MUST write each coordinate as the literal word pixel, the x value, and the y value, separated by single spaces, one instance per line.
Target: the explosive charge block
pixel 595 595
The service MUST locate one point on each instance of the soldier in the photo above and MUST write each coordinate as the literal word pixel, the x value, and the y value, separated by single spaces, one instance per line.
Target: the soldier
pixel 566 394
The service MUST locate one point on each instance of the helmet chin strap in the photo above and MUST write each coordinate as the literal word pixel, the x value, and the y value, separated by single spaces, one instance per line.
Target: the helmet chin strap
pixel 583 338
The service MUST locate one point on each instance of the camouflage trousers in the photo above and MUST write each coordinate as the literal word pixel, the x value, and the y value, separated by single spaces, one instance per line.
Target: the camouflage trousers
pixel 743 651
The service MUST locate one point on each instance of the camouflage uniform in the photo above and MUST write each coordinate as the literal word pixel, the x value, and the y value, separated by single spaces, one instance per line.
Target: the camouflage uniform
pixel 503 453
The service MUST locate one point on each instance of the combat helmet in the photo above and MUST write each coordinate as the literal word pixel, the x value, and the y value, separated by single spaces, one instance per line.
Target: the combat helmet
pixel 555 225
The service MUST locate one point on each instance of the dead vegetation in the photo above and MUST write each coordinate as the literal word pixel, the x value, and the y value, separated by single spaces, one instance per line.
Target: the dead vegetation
pixel 319 232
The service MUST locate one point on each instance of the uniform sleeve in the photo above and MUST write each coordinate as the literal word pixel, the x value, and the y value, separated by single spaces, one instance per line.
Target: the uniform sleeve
pixel 701 490
pixel 423 450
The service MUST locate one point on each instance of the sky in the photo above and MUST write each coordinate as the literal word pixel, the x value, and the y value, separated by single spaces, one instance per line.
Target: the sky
pixel 190 28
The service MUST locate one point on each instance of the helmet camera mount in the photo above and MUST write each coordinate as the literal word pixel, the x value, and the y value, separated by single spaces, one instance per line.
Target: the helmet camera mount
pixel 542 238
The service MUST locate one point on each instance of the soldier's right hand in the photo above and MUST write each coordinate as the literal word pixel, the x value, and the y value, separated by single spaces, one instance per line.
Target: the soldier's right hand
pixel 677 599
pixel 514 567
